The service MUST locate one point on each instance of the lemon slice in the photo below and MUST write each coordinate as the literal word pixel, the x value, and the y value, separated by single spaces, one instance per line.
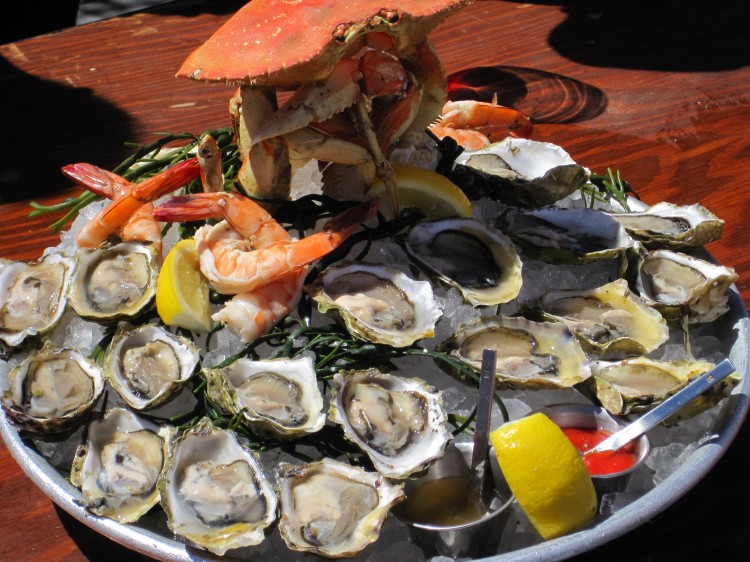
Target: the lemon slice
pixel 181 290
pixel 546 475
pixel 432 193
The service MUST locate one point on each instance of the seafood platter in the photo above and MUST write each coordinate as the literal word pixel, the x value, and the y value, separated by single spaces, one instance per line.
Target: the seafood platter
pixel 358 242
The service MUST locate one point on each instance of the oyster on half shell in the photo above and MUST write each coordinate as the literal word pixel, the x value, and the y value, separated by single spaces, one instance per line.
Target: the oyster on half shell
pixel 525 172
pixel 378 303
pixel 480 261
pixel 674 282
pixel 147 365
pixel 278 397
pixel 114 282
pixel 608 320
pixel 333 509
pixel 33 296
pixel 666 225
pixel 529 354
pixel 639 383
pixel 118 466
pixel 52 389
pixel 572 236
pixel 398 422
pixel 214 491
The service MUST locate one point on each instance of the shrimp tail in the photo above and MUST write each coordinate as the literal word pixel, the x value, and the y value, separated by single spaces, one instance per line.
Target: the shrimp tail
pixel 97 180
pixel 348 220
pixel 334 232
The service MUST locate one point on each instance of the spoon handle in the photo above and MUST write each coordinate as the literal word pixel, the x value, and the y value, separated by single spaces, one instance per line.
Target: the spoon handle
pixel 665 409
pixel 479 466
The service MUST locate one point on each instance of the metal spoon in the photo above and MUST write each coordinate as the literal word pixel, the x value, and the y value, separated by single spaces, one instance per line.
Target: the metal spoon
pixel 481 475
pixel 665 409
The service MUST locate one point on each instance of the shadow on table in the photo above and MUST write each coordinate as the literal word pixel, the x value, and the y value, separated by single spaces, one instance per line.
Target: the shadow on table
pixel 545 97
pixel 47 125
pixel 670 35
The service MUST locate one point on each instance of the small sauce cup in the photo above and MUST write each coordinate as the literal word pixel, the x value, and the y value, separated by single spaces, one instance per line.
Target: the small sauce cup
pixel 588 416
pixel 471 531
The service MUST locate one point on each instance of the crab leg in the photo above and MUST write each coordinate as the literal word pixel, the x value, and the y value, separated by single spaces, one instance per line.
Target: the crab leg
pixel 430 74
pixel 465 120
pixel 383 168
pixel 265 172
pixel 316 101
pixel 209 158
pixel 375 74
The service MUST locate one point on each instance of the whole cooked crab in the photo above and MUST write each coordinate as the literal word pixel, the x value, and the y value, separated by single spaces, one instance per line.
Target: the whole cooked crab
pixel 364 75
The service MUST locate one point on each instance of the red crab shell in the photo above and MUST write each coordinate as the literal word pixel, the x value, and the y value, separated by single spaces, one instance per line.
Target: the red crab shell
pixel 283 43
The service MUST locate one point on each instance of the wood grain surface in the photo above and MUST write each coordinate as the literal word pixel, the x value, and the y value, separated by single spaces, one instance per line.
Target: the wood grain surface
pixel 658 91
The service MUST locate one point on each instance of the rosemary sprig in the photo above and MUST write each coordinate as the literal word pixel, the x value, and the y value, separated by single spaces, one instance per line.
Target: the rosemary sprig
pixel 601 187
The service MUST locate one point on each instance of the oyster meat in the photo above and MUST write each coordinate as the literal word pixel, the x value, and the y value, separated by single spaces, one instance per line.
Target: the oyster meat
pixel 398 422
pixel 636 384
pixel 52 389
pixel 480 261
pixel 525 172
pixel 118 466
pixel 673 282
pixel 278 397
pixel 529 354
pixel 608 320
pixel 33 296
pixel 214 491
pixel 571 236
pixel 666 225
pixel 114 282
pixel 333 509
pixel 378 303
pixel 147 365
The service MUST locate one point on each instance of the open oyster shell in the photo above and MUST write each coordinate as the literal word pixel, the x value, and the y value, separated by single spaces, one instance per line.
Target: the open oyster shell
pixel 398 422
pixel 529 354
pixel 524 172
pixel 214 491
pixel 572 236
pixel 480 261
pixel 33 296
pixel 278 397
pixel 52 389
pixel 331 508
pixel 118 465
pixel 608 320
pixel 639 383
pixel 666 225
pixel 673 282
pixel 378 303
pixel 147 365
pixel 114 282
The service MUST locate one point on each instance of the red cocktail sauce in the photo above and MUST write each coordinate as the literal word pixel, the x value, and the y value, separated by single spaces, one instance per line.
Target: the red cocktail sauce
pixel 584 438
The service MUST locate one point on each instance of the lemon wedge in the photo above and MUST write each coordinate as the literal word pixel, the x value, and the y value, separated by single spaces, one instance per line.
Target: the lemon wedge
pixel 432 193
pixel 181 290
pixel 546 475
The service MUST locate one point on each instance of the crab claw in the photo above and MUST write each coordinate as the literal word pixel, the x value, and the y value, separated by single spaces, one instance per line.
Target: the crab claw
pixel 316 101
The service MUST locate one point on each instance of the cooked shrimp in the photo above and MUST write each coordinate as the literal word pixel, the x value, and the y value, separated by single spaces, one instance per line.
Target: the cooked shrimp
pixel 115 215
pixel 464 120
pixel 141 226
pixel 249 249
pixel 252 314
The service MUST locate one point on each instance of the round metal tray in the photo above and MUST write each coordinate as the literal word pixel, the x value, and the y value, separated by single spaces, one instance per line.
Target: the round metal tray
pixel 151 537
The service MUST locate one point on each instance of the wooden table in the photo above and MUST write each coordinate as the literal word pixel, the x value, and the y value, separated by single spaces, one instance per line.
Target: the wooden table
pixel 656 90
